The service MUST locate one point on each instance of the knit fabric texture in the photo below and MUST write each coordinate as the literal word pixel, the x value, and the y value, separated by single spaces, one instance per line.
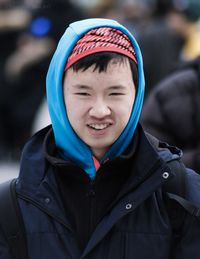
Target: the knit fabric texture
pixel 100 40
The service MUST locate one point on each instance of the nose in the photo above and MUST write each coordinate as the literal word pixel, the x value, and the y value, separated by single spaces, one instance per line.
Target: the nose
pixel 99 109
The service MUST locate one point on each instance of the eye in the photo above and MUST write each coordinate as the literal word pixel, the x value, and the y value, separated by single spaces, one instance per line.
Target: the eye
pixel 83 94
pixel 116 94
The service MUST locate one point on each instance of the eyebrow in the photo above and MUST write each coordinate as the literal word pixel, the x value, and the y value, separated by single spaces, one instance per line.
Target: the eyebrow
pixel 79 86
pixel 114 87
pixel 117 87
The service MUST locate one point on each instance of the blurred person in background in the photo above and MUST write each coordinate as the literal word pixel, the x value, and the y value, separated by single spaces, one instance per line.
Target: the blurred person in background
pixel 172 111
pixel 60 13
pixel 160 43
pixel 95 8
pixel 13 21
pixel 189 12
pixel 24 69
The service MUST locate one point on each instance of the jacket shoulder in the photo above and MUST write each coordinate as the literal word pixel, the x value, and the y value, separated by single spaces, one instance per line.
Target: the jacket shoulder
pixel 191 178
pixel 192 184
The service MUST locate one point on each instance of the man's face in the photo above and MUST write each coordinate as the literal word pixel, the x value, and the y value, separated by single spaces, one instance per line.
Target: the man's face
pixel 99 104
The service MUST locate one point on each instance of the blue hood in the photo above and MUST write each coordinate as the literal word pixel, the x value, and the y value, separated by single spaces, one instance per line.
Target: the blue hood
pixel 67 141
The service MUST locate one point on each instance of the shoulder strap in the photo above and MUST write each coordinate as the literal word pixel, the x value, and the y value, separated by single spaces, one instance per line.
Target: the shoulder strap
pixel 176 185
pixel 11 222
pixel 188 206
pixel 175 188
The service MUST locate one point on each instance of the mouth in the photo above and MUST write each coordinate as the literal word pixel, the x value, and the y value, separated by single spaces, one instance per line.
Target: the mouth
pixel 99 126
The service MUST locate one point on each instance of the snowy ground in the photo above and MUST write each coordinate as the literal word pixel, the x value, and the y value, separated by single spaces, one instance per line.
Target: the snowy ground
pixel 8 171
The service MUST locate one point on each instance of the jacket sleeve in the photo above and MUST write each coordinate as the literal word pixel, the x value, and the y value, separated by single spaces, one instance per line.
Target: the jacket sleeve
pixel 4 249
pixel 193 187
pixel 191 157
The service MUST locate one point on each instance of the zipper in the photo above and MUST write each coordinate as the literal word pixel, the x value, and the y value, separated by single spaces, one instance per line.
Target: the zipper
pixel 92 206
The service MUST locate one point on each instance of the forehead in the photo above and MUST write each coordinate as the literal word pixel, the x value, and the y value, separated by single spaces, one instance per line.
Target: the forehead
pixel 117 74
pixel 113 66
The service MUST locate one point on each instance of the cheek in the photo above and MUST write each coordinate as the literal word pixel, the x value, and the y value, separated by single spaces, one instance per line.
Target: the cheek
pixel 72 111
pixel 75 110
pixel 126 108
pixel 126 114
pixel 70 108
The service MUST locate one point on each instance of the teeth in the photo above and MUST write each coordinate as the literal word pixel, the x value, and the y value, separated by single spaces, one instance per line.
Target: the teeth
pixel 98 126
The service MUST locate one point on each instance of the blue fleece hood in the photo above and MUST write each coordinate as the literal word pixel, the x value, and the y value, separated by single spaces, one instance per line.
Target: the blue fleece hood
pixel 69 144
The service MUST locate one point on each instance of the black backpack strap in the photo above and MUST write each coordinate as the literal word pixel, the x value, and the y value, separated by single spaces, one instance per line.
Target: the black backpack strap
pixel 175 187
pixel 174 191
pixel 11 222
pixel 188 206
pixel 176 184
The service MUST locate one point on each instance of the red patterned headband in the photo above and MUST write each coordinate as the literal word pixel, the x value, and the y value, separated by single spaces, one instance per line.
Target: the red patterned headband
pixel 100 40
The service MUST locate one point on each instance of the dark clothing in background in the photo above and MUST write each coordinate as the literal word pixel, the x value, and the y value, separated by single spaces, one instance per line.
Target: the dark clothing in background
pixel 25 94
pixel 8 39
pixel 60 13
pixel 161 48
pixel 172 112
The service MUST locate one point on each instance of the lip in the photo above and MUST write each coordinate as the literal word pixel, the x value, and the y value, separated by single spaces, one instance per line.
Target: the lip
pixel 99 126
pixel 98 132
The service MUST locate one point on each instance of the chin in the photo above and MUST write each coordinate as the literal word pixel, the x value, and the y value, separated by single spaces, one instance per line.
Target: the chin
pixel 104 147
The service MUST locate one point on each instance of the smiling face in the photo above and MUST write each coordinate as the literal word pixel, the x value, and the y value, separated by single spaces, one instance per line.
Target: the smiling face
pixel 99 104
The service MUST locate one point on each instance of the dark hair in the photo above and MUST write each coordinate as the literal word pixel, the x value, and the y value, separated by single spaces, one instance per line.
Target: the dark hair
pixel 101 61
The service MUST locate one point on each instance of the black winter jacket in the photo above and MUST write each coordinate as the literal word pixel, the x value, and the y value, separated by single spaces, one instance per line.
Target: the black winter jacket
pixel 136 225
pixel 171 112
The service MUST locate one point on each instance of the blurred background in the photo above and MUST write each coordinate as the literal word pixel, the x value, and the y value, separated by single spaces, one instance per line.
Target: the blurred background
pixel 168 32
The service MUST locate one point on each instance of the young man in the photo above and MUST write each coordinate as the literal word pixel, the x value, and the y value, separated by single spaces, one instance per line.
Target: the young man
pixel 92 184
